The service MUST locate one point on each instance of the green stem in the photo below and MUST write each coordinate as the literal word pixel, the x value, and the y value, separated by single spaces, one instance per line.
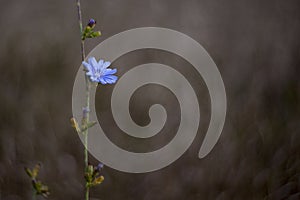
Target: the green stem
pixel 80 28
pixel 87 191
pixel 87 97
pixel 87 106
pixel 33 195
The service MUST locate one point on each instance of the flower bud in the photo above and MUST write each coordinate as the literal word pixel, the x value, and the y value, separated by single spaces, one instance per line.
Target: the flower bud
pixel 92 23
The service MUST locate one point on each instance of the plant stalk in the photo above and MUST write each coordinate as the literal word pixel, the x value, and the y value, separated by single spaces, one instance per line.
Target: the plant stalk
pixel 87 96
pixel 33 195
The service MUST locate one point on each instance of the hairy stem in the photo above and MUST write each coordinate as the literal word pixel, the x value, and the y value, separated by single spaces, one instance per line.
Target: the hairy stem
pixel 87 96
pixel 81 28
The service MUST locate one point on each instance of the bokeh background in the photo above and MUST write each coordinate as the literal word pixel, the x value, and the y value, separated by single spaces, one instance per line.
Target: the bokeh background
pixel 256 47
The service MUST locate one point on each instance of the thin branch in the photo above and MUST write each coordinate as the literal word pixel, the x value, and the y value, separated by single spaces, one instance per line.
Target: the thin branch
pixel 87 95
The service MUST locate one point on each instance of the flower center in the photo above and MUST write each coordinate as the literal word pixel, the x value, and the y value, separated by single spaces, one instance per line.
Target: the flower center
pixel 98 74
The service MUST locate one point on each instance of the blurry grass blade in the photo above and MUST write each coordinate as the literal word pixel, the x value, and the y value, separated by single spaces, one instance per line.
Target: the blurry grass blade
pixel 28 171
pixel 36 170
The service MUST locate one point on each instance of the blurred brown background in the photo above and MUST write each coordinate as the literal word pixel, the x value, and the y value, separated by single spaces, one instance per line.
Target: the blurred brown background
pixel 256 46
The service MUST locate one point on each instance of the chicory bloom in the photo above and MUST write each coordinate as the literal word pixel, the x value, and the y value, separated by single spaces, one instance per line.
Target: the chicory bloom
pixel 99 71
pixel 92 23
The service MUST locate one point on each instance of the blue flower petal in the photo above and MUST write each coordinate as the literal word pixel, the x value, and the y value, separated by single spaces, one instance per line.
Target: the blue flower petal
pixel 109 71
pixel 92 61
pixel 94 79
pixel 100 63
pixel 89 73
pixel 110 79
pixel 87 65
pixel 106 64
pixel 102 81
pixel 113 77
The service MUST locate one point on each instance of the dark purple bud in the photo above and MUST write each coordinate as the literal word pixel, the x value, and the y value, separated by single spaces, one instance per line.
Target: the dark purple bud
pixel 85 111
pixel 92 23
pixel 99 167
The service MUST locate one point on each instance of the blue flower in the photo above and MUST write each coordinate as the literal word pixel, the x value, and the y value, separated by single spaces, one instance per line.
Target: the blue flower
pixel 92 23
pixel 99 71
pixel 98 167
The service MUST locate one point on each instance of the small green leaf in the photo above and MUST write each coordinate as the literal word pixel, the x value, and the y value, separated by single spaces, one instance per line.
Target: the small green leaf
pixel 35 170
pixel 28 171
pixel 89 174
pixel 94 34
pixel 86 32
pixel 75 125
pixel 89 125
